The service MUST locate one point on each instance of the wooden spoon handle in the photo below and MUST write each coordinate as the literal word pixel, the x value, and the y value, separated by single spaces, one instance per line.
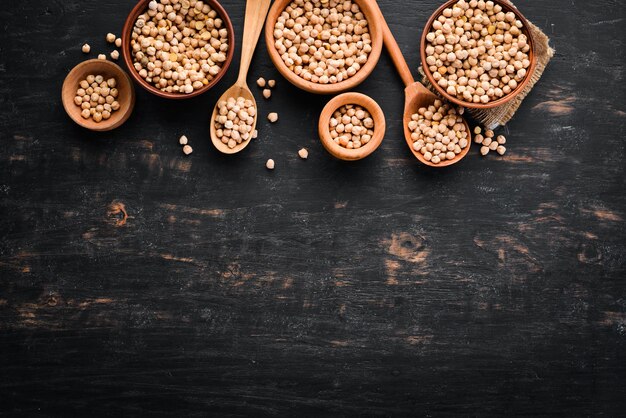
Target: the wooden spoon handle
pixel 256 11
pixel 394 49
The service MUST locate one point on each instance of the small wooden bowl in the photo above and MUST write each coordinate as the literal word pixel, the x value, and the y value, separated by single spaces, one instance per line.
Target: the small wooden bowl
pixel 127 31
pixel 354 99
pixel 376 34
pixel 506 7
pixel 107 69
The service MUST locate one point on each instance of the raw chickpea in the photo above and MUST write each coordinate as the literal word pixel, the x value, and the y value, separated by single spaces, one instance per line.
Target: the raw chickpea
pixel 267 93
pixel 233 125
pixel 322 41
pixel 86 48
pixel 110 38
pixel 476 52
pixel 94 97
pixel 303 153
pixel 115 54
pixel 179 46
pixel 261 82
pixel 351 126
pixel 102 57
pixel 438 132
pixel 270 164
pixel 272 117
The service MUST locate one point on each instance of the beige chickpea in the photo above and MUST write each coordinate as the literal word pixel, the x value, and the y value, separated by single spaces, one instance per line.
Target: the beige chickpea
pixel 86 48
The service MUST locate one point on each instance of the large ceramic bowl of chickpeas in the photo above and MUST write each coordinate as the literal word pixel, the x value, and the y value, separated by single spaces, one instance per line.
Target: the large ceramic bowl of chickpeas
pixel 323 46
pixel 476 53
pixel 178 49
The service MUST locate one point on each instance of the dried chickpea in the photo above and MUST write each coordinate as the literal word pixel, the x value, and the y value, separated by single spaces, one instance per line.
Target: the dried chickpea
pixel 234 121
pixel 110 38
pixel 86 48
pixel 187 149
pixel 179 46
pixel 272 117
pixel 115 54
pixel 477 52
pixel 351 126
pixel 183 140
pixel 94 97
pixel 322 41
pixel 267 93
pixel 303 153
pixel 102 57
pixel 270 164
pixel 261 82
pixel 438 132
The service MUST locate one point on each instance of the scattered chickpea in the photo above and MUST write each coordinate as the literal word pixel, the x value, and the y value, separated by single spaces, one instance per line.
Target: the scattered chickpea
pixel 351 126
pixel 102 57
pixel 477 130
pixel 438 132
pixel 115 54
pixel 271 84
pixel 478 138
pixel 267 93
pixel 489 133
pixel 179 46
pixel 323 41
pixel 255 134
pixel 94 96
pixel 272 117
pixel 234 122
pixel 183 140
pixel 118 42
pixel 270 164
pixel 484 150
pixel 110 38
pixel 261 82
pixel 477 52
pixel 187 149
pixel 501 139
pixel 303 153
pixel 501 150
pixel 86 48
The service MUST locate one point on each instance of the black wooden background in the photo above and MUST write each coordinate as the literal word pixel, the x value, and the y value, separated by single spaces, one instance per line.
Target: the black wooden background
pixel 135 280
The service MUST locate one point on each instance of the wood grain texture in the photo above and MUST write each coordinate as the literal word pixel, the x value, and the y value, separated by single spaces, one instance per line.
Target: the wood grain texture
pixel 136 281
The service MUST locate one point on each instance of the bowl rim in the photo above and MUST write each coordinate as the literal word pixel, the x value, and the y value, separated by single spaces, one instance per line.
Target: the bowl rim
pixel 126 53
pixel 505 99
pixel 358 99
pixel 377 46
pixel 110 124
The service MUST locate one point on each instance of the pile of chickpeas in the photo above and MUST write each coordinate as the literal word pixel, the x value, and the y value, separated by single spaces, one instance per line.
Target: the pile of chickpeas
pixel 179 46
pixel 323 41
pixel 476 52
pixel 97 97
pixel 438 132
pixel 234 121
pixel 351 126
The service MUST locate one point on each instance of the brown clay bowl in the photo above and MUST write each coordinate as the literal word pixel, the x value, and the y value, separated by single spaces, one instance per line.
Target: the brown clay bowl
pixel 506 7
pixel 377 44
pixel 107 69
pixel 127 31
pixel 354 99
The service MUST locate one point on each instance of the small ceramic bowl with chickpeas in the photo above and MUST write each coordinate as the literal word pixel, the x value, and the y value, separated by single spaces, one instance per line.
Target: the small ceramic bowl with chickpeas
pixel 351 126
pixel 324 46
pixel 98 95
pixel 178 50
pixel 478 54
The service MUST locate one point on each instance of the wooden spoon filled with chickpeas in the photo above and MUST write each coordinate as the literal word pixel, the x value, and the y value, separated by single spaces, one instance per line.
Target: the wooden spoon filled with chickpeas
pixel 234 118
pixel 436 132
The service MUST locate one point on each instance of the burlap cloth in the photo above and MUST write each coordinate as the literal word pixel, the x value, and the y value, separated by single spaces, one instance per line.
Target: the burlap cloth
pixel 500 115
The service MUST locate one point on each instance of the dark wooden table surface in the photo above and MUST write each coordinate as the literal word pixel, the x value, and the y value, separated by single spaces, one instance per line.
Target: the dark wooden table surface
pixel 135 280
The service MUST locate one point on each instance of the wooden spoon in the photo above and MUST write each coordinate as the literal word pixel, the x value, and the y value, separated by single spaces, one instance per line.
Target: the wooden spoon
pixel 416 95
pixel 256 10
